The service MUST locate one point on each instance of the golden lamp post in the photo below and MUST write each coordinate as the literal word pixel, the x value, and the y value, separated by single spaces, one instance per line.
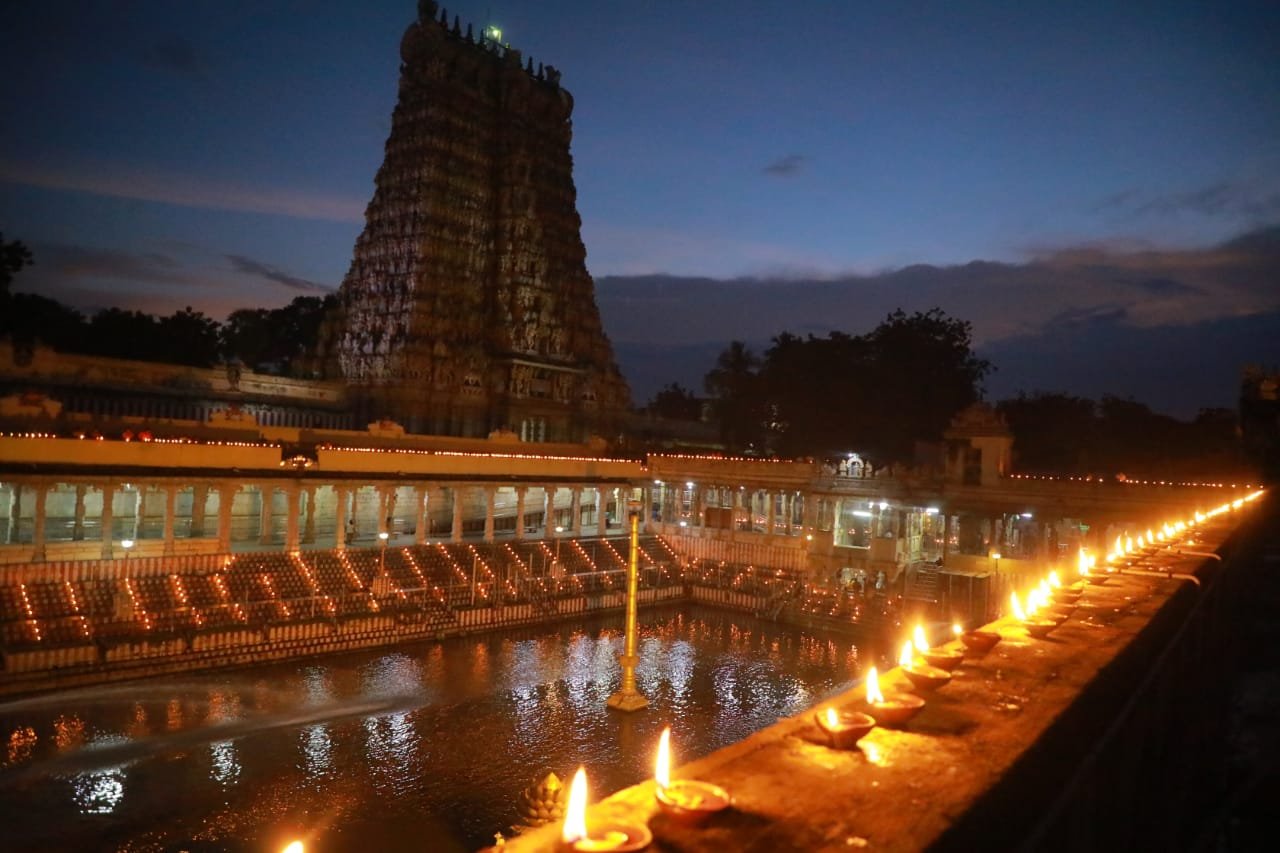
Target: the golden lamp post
pixel 628 698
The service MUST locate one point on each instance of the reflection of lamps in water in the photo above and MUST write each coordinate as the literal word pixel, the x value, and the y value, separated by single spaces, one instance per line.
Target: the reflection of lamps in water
pixel 382 555
pixel 127 545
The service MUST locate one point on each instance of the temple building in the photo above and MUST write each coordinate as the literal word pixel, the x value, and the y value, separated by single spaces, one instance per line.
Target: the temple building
pixel 468 307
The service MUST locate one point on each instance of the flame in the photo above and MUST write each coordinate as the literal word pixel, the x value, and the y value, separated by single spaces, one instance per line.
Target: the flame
pixel 873 687
pixel 918 636
pixel 832 720
pixel 1119 549
pixel 293 847
pixel 904 659
pixel 1033 602
pixel 1054 580
pixel 575 815
pixel 662 767
pixel 956 629
pixel 1141 544
pixel 1082 562
pixel 1128 544
pixel 1014 603
pixel 1045 592
pixel 1150 538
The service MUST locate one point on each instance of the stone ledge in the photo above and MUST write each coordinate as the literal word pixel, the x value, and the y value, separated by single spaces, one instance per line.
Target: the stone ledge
pixel 979 766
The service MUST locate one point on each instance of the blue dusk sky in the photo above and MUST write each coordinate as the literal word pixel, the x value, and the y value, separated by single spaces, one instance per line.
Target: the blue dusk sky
pixel 1094 185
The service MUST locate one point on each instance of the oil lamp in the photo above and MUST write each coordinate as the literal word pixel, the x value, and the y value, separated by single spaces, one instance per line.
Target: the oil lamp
pixel 613 837
pixel 921 675
pixel 686 800
pixel 894 710
pixel 940 657
pixel 1038 628
pixel 979 641
pixel 844 728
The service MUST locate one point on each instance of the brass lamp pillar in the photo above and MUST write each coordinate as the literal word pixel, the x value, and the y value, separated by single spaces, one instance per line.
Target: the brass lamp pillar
pixel 628 698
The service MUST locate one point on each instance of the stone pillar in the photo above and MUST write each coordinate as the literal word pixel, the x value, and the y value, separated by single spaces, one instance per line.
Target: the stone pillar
pixel 946 533
pixel 226 502
pixel 15 513
pixel 575 509
pixel 265 492
pixel 548 511
pixel 490 504
pixel 520 495
pixel 387 503
pixel 77 524
pixel 139 506
pixel 430 499
pixel 107 520
pixel 602 514
pixel 37 528
pixel 199 497
pixel 309 520
pixel 170 510
pixel 769 504
pixel 340 528
pixel 456 533
pixel 293 506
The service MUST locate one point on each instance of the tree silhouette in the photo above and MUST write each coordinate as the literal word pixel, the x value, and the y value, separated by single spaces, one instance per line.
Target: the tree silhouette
pixel 736 402
pixel 13 257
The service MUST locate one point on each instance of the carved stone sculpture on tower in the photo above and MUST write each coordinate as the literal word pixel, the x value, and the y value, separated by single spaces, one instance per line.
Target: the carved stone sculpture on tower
pixel 468 306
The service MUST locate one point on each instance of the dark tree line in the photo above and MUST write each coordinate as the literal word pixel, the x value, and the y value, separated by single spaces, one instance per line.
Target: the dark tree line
pixel 1062 434
pixel 878 393
pixel 275 340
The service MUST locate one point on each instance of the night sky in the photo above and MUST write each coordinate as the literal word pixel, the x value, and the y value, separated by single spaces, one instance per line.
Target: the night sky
pixel 1094 185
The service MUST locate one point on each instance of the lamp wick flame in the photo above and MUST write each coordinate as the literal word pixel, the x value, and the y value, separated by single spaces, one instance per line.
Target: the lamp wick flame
pixel 873 687
pixel 922 644
pixel 662 767
pixel 904 659
pixel 575 815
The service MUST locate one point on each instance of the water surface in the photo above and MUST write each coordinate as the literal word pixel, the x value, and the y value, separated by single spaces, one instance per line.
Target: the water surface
pixel 425 747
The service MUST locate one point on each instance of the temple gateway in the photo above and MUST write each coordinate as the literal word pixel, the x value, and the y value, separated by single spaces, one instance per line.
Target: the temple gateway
pixel 468 307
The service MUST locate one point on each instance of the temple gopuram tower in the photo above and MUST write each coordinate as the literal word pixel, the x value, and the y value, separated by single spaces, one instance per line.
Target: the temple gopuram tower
pixel 468 307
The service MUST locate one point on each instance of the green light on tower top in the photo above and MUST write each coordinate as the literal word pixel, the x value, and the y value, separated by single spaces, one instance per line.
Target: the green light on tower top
pixel 493 33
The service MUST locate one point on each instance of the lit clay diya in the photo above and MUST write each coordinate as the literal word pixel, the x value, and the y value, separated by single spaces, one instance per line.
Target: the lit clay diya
pixel 1066 595
pixel 1061 612
pixel 926 678
pixel 895 709
pixel 947 659
pixel 615 837
pixel 844 728
pixel 980 641
pixel 690 801
pixel 1097 578
pixel 1039 628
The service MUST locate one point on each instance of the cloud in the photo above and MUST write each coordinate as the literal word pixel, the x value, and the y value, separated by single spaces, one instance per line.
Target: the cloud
pixel 187 191
pixel 1148 287
pixel 1171 328
pixel 786 167
pixel 1249 202
pixel 86 262
pixel 265 271
pixel 176 54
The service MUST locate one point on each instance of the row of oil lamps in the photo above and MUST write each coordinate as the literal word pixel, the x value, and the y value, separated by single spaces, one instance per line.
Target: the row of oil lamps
pixel 1047 605
pixel 1040 610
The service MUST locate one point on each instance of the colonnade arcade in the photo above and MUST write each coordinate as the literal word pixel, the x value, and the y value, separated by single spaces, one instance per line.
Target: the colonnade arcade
pixel 91 518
